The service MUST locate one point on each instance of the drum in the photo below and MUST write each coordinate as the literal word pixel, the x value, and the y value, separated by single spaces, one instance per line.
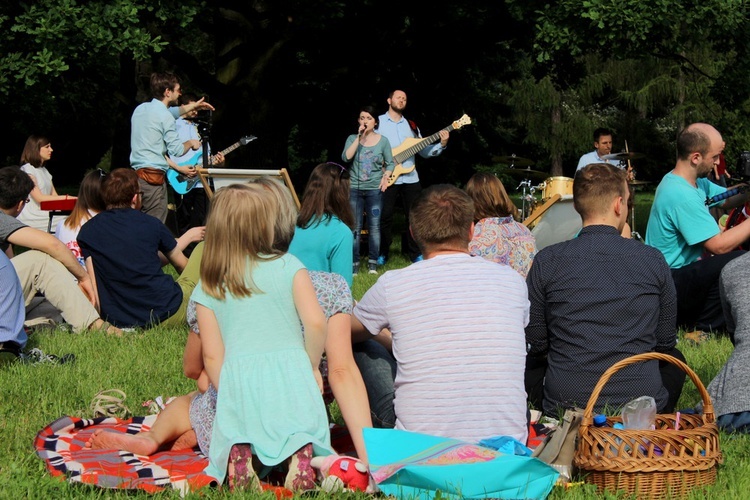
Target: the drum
pixel 557 185
pixel 558 222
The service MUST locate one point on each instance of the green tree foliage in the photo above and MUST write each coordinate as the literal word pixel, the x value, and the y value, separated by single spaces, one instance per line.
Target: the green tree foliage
pixel 45 39
pixel 644 69
pixel 535 77
pixel 60 63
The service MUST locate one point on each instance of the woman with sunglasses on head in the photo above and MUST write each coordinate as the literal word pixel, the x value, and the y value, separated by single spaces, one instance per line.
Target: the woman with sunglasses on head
pixel 323 237
pixel 36 152
pixel 372 163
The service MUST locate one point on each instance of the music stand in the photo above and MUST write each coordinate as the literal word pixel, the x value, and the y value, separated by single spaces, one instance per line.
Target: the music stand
pixel 222 177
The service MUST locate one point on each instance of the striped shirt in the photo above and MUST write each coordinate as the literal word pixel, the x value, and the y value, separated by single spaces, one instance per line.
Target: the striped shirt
pixel 458 339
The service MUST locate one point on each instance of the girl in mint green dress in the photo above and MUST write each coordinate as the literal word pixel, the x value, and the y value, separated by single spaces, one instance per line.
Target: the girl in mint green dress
pixel 250 302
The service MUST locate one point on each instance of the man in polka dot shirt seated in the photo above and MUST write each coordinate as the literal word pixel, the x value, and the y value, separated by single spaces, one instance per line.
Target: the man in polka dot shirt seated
pixel 596 300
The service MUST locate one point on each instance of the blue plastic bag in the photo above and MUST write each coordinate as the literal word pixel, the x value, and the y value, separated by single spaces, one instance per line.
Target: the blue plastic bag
pixel 411 465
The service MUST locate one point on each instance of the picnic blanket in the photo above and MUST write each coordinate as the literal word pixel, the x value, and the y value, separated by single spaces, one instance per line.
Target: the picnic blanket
pixel 62 447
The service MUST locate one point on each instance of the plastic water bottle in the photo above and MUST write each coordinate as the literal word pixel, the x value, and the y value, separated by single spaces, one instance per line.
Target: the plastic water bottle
pixel 639 413
pixel 619 426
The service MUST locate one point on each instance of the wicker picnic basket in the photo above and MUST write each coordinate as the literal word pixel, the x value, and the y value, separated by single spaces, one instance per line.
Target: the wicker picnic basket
pixel 650 463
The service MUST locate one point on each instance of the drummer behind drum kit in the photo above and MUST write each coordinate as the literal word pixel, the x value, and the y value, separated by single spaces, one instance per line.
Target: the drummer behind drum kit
pixel 555 219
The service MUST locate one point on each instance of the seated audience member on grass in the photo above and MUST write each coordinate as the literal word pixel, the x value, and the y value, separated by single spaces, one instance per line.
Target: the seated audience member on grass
pixel 121 247
pixel 196 410
pixel 323 239
pixel 12 310
pixel 88 204
pixel 681 226
pixel 48 267
pixel 730 388
pixel 598 299
pixel 497 235
pixel 455 326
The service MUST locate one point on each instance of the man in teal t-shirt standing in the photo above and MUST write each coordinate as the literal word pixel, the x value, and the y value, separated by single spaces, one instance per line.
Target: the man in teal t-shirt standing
pixel 682 228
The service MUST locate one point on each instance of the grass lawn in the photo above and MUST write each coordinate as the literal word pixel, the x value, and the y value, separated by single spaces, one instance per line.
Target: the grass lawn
pixel 146 365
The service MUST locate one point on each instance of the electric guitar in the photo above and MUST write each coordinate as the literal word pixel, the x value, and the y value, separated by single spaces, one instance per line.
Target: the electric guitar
pixel 182 183
pixel 414 145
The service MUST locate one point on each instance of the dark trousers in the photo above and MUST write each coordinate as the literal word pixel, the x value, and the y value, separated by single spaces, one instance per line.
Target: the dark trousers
pixel 191 212
pixel 672 378
pixel 698 301
pixel 408 193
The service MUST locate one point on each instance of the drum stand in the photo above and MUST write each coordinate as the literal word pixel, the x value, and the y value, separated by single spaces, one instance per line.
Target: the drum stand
pixel 527 198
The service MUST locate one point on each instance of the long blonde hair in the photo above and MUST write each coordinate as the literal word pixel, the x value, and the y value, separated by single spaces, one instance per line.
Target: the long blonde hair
pixel 287 216
pixel 239 233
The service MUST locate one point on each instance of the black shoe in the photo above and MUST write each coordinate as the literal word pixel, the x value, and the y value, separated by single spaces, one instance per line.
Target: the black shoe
pixel 9 351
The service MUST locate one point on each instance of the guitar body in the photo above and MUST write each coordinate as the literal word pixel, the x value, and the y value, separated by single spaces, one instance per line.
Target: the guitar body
pixel 400 169
pixel 413 145
pixel 181 183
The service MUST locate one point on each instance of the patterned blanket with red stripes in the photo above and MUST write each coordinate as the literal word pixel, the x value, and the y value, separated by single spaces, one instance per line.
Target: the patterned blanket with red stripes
pixel 62 447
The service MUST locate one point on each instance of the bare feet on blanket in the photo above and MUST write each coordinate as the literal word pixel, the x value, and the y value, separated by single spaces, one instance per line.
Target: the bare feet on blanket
pixel 140 444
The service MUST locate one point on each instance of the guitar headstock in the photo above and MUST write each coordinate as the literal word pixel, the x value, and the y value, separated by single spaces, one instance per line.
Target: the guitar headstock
pixel 464 120
pixel 247 139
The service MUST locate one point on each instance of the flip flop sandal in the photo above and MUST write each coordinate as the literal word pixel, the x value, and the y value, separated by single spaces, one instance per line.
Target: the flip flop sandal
pixel 109 403
pixel 155 406
pixel 109 329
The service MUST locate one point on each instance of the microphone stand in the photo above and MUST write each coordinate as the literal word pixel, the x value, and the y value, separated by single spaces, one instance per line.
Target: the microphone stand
pixel 204 130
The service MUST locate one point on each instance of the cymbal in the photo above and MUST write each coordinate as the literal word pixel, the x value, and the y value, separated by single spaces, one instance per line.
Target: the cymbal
pixel 623 156
pixel 513 160
pixel 638 183
pixel 523 172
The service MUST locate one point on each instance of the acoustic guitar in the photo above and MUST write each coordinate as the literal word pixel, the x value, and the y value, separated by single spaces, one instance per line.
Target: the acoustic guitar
pixel 182 183
pixel 414 145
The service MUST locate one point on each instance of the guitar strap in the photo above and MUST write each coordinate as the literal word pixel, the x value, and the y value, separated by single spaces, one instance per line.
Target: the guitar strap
pixel 414 128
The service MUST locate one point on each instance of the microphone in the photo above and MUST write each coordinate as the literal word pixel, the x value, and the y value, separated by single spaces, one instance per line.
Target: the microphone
pixel 362 130
pixel 727 194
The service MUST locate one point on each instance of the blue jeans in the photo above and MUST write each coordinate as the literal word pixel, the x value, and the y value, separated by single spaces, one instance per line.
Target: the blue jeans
pixel 735 422
pixel 369 202
pixel 378 368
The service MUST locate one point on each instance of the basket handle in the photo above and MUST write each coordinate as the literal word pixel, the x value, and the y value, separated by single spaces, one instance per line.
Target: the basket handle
pixel 708 408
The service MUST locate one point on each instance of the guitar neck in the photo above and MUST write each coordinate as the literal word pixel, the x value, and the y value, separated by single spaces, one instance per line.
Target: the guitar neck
pixel 228 150
pixel 419 146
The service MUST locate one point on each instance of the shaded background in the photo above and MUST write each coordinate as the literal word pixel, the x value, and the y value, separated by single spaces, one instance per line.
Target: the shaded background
pixel 535 78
